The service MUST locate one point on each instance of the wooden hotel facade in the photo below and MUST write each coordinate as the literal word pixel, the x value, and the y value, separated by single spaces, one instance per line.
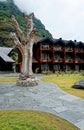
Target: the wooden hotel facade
pixel 56 55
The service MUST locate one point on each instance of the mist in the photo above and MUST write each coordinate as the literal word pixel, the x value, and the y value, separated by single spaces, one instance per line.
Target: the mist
pixel 63 18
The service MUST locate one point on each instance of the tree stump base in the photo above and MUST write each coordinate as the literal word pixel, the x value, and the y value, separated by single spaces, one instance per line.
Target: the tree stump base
pixel 27 81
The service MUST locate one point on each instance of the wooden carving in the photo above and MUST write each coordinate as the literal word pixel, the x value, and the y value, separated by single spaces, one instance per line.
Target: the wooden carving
pixel 25 44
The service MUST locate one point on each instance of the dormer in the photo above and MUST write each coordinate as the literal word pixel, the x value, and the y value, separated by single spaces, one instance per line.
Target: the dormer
pixel 70 45
pixel 80 47
pixel 46 43
pixel 59 45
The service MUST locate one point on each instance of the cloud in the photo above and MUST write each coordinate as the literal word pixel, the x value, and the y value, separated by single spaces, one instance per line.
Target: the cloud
pixel 63 18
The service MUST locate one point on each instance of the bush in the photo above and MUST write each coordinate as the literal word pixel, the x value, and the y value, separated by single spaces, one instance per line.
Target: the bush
pixel 75 72
pixel 43 72
pixel 37 70
pixel 82 72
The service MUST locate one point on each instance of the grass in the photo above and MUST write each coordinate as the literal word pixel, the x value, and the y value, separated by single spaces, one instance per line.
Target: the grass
pixel 32 120
pixel 66 82
pixel 8 79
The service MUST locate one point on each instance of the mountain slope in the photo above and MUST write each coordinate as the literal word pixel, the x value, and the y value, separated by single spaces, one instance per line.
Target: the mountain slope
pixel 7 8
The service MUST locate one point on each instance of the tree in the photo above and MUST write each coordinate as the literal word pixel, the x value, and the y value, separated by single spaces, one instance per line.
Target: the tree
pixel 25 45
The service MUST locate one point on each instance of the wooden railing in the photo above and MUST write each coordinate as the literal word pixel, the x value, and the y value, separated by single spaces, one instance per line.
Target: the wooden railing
pixel 69 60
pixel 43 47
pixel 69 49
pixel 58 48
pixel 79 61
pixel 58 60
pixel 79 50
pixel 35 60
pixel 45 60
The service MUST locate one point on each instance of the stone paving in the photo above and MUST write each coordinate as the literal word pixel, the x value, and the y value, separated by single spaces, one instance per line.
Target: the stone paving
pixel 45 97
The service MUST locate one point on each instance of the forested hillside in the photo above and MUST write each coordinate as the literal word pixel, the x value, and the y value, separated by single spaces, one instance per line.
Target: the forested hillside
pixel 7 8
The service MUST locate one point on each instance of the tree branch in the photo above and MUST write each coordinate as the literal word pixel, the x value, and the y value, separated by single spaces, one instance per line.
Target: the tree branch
pixel 30 25
pixel 15 39
pixel 18 30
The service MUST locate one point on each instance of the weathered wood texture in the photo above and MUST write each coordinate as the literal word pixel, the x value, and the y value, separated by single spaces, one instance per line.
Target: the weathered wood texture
pixel 25 44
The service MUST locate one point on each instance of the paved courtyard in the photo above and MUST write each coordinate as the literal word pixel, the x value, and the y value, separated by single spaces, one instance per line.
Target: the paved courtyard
pixel 45 97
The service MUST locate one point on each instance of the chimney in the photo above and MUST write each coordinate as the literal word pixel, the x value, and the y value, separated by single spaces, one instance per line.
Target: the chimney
pixel 75 40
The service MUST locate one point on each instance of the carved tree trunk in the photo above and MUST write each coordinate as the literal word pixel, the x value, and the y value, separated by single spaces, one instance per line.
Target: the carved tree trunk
pixel 25 45
pixel 30 53
pixel 25 61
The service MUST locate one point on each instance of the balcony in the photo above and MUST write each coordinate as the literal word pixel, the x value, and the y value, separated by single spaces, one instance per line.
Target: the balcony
pixel 80 61
pixel 45 47
pixel 69 60
pixel 34 60
pixel 58 48
pixel 45 60
pixel 69 49
pixel 79 50
pixel 58 60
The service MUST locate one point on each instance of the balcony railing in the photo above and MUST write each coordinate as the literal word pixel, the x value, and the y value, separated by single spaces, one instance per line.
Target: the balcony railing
pixel 69 60
pixel 45 47
pixel 58 48
pixel 79 50
pixel 45 59
pixel 69 49
pixel 34 60
pixel 79 61
pixel 58 60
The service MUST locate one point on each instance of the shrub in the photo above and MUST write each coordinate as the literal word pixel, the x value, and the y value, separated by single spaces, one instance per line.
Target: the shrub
pixel 37 70
pixel 82 72
pixel 43 72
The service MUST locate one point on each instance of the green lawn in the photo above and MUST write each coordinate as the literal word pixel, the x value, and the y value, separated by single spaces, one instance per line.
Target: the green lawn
pixel 32 120
pixel 65 83
pixel 8 79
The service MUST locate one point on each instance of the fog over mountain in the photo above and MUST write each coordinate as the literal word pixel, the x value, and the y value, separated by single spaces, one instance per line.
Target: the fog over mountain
pixel 63 18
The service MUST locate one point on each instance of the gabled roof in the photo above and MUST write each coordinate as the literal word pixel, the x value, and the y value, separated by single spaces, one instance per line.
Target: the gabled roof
pixel 71 42
pixel 45 39
pixel 5 57
pixel 53 41
pixel 59 40
pixel 4 51
pixel 80 44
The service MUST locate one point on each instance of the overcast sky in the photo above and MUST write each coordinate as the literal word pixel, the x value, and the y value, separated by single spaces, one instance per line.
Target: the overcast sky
pixel 63 18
